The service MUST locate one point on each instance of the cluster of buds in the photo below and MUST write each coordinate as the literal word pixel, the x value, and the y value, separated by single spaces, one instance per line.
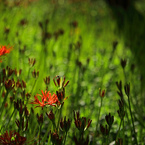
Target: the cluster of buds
pixel 60 83
pixel 13 138
pixel 81 123
pixel 21 85
pixel 21 107
pixel 81 141
pixel 7 72
pixel 32 61
pixel 104 130
pixel 40 118
pixel 18 72
pixel 35 74
pixel 109 119
pixel 51 115
pixel 9 84
pixel 56 139
pixel 47 80
pixel 20 124
pixel 65 124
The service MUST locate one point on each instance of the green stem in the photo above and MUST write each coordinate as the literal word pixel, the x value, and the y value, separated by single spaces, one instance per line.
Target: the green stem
pixel 60 111
pixel 29 72
pixel 20 126
pixel 119 129
pixel 65 138
pixel 33 86
pixel 99 115
pixel 2 107
pixel 132 120
pixel 40 133
pixel 108 136
pixel 123 133
pixel 10 117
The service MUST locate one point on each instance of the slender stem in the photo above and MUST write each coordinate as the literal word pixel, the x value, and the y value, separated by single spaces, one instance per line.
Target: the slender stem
pixel 65 138
pixel 132 120
pixel 40 127
pixel 29 72
pixel 108 136
pixel 99 115
pixel 119 129
pixel 123 133
pixel 20 126
pixel 33 85
pixel 2 107
pixel 60 111
pixel 10 117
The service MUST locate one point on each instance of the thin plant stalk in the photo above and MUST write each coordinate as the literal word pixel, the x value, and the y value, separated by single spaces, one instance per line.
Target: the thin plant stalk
pixel 33 85
pixel 132 121
pixel 99 115
pixel 59 111
pixel 119 129
pixel 2 107
pixel 65 138
pixel 40 127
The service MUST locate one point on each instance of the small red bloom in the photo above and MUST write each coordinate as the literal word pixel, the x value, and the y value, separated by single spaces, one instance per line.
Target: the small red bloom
pixel 46 99
pixel 4 50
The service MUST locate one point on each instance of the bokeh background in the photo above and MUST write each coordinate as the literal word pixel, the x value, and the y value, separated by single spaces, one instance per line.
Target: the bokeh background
pixel 83 40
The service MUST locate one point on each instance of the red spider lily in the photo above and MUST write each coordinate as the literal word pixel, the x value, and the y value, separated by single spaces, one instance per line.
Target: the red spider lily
pixel 46 99
pixel 4 50
pixel 12 138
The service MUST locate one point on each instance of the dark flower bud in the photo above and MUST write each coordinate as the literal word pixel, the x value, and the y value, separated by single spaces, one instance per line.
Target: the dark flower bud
pixel 65 124
pixel 32 61
pixel 109 119
pixel 56 139
pixel 47 80
pixel 119 85
pixel 10 84
pixel 35 74
pixel 102 94
pixel 24 84
pixel 104 130
pixel 80 123
pixel 40 118
pixel 50 115
pixel 123 63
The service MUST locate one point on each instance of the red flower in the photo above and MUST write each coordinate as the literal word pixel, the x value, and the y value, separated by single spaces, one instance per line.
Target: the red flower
pixel 4 50
pixel 12 138
pixel 46 99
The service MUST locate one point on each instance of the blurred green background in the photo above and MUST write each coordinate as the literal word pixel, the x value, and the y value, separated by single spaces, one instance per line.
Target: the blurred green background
pixel 83 40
